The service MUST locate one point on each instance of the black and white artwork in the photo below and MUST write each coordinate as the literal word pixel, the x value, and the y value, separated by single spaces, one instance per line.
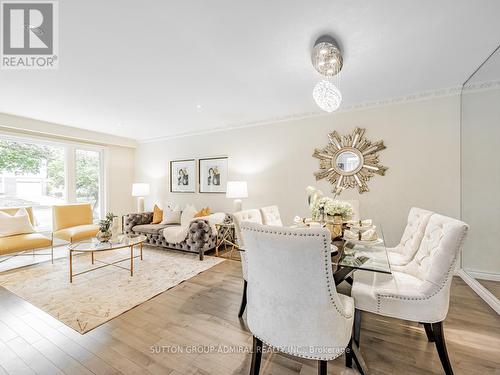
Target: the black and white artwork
pixel 213 175
pixel 183 176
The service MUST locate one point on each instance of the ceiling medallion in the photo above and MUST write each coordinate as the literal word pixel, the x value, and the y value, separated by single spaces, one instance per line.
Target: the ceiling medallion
pixel 327 60
pixel 349 161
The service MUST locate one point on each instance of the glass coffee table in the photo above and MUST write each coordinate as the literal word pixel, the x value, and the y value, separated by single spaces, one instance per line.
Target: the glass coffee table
pixel 94 246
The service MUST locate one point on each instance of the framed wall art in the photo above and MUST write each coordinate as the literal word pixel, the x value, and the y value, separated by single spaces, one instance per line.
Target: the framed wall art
pixel 212 175
pixel 183 176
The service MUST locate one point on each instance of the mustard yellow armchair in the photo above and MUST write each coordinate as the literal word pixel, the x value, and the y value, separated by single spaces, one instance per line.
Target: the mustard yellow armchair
pixel 23 242
pixel 73 222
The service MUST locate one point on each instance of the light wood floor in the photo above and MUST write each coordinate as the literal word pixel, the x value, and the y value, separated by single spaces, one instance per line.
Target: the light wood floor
pixel 203 311
pixel 492 286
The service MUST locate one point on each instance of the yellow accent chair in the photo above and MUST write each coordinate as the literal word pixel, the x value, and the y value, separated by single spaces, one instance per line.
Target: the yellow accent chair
pixel 73 222
pixel 23 242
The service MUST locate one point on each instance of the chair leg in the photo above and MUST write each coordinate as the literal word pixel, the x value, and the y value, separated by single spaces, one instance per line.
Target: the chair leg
pixel 428 332
pixel 348 354
pixel 243 300
pixel 52 250
pixel 437 329
pixel 322 367
pixel 256 356
pixel 357 326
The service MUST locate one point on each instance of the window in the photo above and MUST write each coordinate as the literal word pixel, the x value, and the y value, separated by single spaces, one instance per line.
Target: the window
pixel 35 173
pixel 88 179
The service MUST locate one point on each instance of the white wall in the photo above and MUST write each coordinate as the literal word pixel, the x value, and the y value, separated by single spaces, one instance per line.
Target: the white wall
pixel 481 182
pixel 422 154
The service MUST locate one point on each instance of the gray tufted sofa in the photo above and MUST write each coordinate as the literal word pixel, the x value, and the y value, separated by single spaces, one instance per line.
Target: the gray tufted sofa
pixel 199 239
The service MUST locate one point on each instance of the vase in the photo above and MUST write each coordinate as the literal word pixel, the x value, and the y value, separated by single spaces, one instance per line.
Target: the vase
pixel 104 236
pixel 335 226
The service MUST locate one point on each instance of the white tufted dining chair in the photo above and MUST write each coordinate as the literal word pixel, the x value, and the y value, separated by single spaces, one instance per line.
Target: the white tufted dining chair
pixel 420 290
pixel 271 216
pixel 293 305
pixel 404 252
pixel 251 216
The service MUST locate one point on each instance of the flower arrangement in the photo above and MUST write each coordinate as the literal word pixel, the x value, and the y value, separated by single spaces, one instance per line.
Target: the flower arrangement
pixel 325 208
pixel 104 234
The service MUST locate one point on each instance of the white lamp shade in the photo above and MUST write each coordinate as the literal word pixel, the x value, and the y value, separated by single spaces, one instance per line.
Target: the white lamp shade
pixel 237 189
pixel 140 190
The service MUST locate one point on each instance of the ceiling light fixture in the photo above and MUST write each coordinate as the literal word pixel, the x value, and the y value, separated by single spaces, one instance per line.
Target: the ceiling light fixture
pixel 327 96
pixel 327 60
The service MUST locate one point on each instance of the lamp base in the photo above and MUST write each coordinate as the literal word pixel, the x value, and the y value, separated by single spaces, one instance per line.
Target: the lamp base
pixel 238 205
pixel 140 205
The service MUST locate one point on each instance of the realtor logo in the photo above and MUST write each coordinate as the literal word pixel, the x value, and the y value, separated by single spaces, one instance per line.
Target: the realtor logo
pixel 29 35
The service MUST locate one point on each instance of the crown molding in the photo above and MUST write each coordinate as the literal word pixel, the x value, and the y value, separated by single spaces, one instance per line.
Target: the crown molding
pixel 427 95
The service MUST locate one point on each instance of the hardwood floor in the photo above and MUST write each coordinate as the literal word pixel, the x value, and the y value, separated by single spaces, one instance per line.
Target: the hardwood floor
pixel 203 312
pixel 492 286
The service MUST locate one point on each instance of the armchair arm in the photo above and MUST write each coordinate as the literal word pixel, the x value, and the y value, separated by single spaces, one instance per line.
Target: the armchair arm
pixel 199 236
pixel 131 220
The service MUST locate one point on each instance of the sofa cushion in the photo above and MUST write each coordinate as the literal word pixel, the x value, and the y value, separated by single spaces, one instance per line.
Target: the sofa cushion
pixel 77 233
pixel 151 228
pixel 23 242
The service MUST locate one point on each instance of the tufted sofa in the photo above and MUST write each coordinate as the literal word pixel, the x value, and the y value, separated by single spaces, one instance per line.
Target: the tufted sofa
pixel 200 237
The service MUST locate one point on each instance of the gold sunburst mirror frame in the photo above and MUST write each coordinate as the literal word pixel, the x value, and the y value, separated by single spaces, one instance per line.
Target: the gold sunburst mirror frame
pixel 349 161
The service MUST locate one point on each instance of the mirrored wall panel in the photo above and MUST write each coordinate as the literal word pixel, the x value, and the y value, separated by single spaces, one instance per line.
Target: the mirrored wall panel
pixel 480 168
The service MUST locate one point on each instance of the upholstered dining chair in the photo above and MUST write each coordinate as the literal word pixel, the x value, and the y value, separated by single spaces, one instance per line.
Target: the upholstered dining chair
pixel 271 216
pixel 419 291
pixel 252 216
pixel 293 305
pixel 403 253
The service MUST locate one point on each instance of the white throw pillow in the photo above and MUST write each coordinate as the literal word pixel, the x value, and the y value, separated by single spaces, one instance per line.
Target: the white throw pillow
pixel 16 224
pixel 171 216
pixel 188 215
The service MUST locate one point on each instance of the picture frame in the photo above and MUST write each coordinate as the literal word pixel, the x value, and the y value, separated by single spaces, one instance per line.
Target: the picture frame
pixel 183 176
pixel 213 175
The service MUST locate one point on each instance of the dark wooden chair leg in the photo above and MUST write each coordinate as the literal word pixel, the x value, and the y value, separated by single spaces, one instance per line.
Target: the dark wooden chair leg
pixel 357 326
pixel 256 356
pixel 428 332
pixel 437 329
pixel 243 300
pixel 322 367
pixel 348 355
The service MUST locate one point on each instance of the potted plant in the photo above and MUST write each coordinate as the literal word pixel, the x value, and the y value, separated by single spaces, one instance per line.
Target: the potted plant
pixel 105 225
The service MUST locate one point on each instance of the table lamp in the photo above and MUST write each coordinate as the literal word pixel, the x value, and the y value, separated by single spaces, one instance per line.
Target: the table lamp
pixel 140 191
pixel 238 190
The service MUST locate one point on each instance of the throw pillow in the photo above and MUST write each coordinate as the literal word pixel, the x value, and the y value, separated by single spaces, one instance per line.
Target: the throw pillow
pixel 157 215
pixel 11 225
pixel 187 215
pixel 171 216
pixel 203 212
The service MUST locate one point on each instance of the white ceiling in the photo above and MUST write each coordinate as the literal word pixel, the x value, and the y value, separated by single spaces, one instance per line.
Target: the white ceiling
pixel 140 68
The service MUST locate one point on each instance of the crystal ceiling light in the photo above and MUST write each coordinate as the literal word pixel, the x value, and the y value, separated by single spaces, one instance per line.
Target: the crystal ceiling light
pixel 327 96
pixel 326 57
pixel 327 60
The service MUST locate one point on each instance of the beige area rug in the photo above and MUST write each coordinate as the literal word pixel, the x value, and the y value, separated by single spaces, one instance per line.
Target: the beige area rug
pixel 99 296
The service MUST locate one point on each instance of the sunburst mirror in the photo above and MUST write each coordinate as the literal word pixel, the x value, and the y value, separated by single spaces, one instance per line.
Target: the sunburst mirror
pixel 349 161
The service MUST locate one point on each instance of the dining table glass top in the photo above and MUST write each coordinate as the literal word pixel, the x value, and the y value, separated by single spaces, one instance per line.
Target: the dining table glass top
pixel 365 255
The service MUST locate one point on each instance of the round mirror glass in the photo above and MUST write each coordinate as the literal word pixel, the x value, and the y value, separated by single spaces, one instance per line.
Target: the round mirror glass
pixel 348 161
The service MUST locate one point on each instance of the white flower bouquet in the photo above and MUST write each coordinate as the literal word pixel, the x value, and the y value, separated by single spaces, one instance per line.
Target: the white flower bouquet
pixel 326 208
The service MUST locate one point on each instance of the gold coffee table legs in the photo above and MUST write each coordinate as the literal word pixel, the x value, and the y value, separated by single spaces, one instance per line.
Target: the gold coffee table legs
pixel 104 264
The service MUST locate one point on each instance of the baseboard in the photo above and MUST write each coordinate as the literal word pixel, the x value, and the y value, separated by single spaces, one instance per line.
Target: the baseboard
pixel 481 291
pixel 484 275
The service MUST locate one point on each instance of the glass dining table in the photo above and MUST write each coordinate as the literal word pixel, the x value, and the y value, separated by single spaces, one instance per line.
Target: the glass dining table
pixel 355 255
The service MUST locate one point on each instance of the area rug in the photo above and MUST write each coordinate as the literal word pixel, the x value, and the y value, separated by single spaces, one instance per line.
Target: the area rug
pixel 99 296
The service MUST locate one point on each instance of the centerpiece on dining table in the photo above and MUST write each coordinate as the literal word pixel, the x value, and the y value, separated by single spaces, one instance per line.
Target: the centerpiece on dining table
pixel 332 214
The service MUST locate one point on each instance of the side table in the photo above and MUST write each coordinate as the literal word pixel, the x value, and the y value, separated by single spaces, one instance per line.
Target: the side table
pixel 226 236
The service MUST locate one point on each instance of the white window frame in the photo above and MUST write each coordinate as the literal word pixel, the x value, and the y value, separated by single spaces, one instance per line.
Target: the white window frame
pixel 70 148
